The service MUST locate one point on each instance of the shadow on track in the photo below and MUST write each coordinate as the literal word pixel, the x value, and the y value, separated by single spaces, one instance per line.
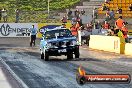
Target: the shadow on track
pixel 54 58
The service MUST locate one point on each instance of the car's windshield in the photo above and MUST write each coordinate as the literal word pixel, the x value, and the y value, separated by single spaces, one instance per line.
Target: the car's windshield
pixel 58 33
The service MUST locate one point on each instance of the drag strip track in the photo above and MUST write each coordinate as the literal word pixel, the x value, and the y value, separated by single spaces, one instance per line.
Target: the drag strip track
pixel 58 72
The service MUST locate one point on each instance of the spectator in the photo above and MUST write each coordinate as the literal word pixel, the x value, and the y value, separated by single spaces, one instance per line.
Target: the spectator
pixel 69 14
pixel 82 27
pixel 104 7
pixel 79 21
pixel 79 34
pixel 125 32
pixel 106 25
pixel 89 27
pixel 74 30
pixel 17 15
pixel 112 30
pixel 130 7
pixel 73 20
pixel 82 12
pixel 4 15
pixel 116 30
pixel 120 22
pixel 64 19
pixel 33 35
pixel 98 26
pixel 0 14
pixel 119 11
pixel 107 1
pixel 83 35
pixel 112 14
pixel 107 15
pixel 125 23
pixel 77 26
pixel 95 13
pixel 86 36
pixel 77 13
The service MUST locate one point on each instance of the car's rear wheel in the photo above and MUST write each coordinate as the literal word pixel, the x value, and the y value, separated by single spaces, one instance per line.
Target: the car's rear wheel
pixel 69 55
pixel 77 54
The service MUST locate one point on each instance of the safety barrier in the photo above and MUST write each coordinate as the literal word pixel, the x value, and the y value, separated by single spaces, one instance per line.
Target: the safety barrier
pixel 107 43
pixel 128 49
pixel 130 32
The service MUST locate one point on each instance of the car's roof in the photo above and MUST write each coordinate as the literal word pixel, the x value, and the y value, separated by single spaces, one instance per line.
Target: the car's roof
pixel 57 28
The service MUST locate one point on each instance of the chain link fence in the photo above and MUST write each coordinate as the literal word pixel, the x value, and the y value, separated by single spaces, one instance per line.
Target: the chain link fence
pixel 34 17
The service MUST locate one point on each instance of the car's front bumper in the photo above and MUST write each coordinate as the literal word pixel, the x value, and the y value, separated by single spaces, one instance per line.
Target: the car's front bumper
pixel 61 50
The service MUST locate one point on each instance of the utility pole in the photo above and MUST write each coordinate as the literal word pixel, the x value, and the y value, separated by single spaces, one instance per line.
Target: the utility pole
pixel 94 18
pixel 48 8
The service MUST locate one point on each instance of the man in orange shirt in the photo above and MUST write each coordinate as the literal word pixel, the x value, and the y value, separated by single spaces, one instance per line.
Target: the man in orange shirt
pixel 120 22
pixel 74 30
pixel 125 32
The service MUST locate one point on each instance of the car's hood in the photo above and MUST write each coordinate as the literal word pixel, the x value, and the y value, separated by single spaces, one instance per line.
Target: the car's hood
pixel 61 39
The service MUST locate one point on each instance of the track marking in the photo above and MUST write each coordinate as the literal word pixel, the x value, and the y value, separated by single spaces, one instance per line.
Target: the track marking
pixel 14 75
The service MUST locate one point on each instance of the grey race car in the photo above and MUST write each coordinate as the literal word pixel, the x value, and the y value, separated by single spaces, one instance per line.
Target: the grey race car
pixel 57 42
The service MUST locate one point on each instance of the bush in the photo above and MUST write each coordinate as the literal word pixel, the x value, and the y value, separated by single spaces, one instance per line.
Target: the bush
pixel 34 5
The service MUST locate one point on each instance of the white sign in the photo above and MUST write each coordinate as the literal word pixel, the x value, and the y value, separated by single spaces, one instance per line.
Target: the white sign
pixel 16 29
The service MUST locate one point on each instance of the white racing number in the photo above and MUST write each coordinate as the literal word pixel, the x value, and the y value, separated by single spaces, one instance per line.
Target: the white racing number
pixel 62 50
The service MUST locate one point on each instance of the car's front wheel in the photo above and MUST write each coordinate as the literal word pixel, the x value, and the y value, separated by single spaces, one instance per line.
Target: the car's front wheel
pixel 45 56
pixel 42 56
pixel 69 55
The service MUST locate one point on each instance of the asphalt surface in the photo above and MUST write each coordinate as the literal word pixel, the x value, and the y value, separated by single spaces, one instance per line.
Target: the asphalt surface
pixel 25 62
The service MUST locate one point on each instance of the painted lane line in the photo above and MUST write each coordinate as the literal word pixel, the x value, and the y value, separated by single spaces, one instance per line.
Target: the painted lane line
pixel 13 74
pixel 3 81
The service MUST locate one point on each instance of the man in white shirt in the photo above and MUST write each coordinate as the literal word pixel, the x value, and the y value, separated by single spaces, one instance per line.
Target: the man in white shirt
pixel 33 35
pixel 4 15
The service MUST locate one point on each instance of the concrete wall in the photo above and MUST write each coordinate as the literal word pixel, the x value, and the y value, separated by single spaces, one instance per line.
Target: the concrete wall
pixel 107 43
pixel 128 49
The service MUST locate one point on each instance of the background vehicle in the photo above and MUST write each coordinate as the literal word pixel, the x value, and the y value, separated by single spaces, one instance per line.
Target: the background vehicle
pixel 57 42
